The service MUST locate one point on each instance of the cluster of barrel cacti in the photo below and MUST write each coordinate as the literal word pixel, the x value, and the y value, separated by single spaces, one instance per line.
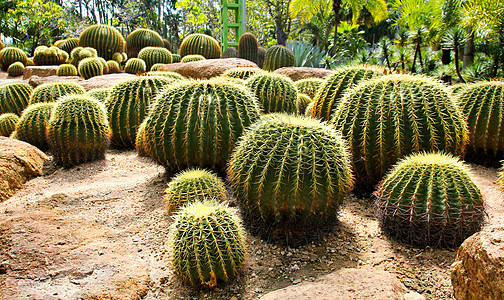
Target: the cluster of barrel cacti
pixel 49 56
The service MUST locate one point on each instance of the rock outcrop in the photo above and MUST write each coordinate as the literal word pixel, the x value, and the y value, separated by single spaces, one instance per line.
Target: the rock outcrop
pixel 298 73
pixel 205 69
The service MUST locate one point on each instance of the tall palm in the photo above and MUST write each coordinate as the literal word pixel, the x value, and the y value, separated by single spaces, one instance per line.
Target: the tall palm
pixel 454 39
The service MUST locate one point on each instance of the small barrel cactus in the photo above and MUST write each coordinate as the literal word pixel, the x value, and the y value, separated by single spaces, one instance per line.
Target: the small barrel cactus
pixel 141 38
pixel 104 64
pixel 248 47
pixel 10 55
pixel 196 123
pixel 201 44
pixel 153 55
pixel 118 58
pixel 104 38
pixel 291 172
pixel 176 58
pixel 207 243
pixel 78 130
pixel 302 103
pixel 261 54
pixel 167 45
pixel 128 104
pixel 8 123
pixel 13 135
pixel 387 118
pixel 16 69
pixel 309 86
pixel 135 66
pixel 68 45
pixel 80 53
pixel 230 52
pixel 155 67
pixel 100 94
pixel 14 97
pixel 67 70
pixel 242 72
pixel 191 185
pixel 278 57
pixel 429 199
pixel 52 91
pixel 275 92
pixel 49 56
pixel 113 67
pixel 32 124
pixel 167 74
pixel 90 67
pixel 193 57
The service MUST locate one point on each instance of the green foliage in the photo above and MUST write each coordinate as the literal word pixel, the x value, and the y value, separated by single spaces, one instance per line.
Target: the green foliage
pixel 305 54
pixel 152 55
pixel 309 86
pixel 387 118
pixel 135 66
pixel 196 123
pixel 275 92
pixel 90 67
pixel 16 69
pixel 248 47
pixel 67 70
pixel 141 38
pixel 14 97
pixel 201 44
pixel 31 127
pixel 10 55
pixel 302 103
pixel 78 130
pixel 113 67
pixel 429 199
pixel 278 57
pixel 52 91
pixel 291 172
pixel 69 44
pixel 242 72
pixel 104 38
pixel 100 94
pixel 49 56
pixel 8 123
pixel 193 57
pixel 176 58
pixel 207 243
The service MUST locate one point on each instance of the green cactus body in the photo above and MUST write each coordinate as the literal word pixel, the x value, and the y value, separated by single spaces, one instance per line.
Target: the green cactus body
pixel 429 199
pixel 242 72
pixel 118 57
pixel 201 44
pixel 275 92
pixel 32 124
pixel 248 47
pixel 13 135
pixel 196 123
pixel 291 172
pixel 207 243
pixel 308 110
pixel 8 123
pixel 278 57
pixel 302 103
pixel 68 45
pixel 483 106
pixel 193 184
pixel 14 97
pixel 152 55
pixel 79 53
pixel 167 74
pixel 128 104
pixel 16 69
pixel 135 66
pixel 190 58
pixel 29 62
pixel 104 38
pixel 332 91
pixel 78 130
pixel 141 38
pixel 500 175
pixel 113 67
pixel 67 70
pixel 104 64
pixel 1 45
pixel 167 45
pixel 52 91
pixel 261 54
pixel 387 118
pixel 140 145
pixel 90 67
pixel 49 56
pixel 176 58
pixel 10 55
pixel 231 52
pixel 100 94
pixel 155 67
pixel 309 86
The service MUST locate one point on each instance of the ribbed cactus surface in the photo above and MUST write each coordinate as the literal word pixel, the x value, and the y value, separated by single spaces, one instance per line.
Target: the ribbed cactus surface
pixel 176 58
pixel 104 38
pixel 80 53
pixel 196 123
pixel 261 54
pixel 135 66
pixel 49 56
pixel 302 103
pixel 192 57
pixel 32 124
pixel 167 74
pixel 291 172
pixel 16 69
pixel 248 47
pixel 201 44
pixel 51 91
pixel 68 45
pixel 78 130
pixel 155 67
pixel 90 67
pixel 167 45
pixel 242 72
pixel 100 94
pixel 113 67
pixel 153 55
pixel 14 97
pixel 128 104
pixel 429 199
pixel 230 52
pixel 67 70
pixel 207 243
pixel 140 145
pixel 8 123
pixel 387 118
pixel 309 86
pixel 275 92
pixel 277 57
pixel 141 38
pixel 10 55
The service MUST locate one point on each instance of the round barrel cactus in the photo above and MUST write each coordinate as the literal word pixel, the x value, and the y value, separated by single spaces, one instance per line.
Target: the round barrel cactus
pixel 8 123
pixel 100 94
pixel 196 123
pixel 248 47
pixel 291 172
pixel 104 64
pixel 135 66
pixel 191 185
pixel 167 45
pixel 176 58
pixel 230 52
pixel 153 55
pixel 140 146
pixel 67 70
pixel 193 57
pixel 207 243
pixel 278 57
pixel 10 55
pixel 49 56
pixel 14 97
pixel 392 116
pixel 167 74
pixel 80 53
pixel 261 54
pixel 113 67
pixel 429 199
pixel 90 67
pixel 201 44
pixel 128 104
pixel 78 130
pixel 155 67
pixel 141 38
pixel 32 124
pixel 309 86
pixel 51 91
pixel 275 92
pixel 242 72
pixel 16 69
pixel 104 38
pixel 332 91
pixel 302 103
pixel 68 44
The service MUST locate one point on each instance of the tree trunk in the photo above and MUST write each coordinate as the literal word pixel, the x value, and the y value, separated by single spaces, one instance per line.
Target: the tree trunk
pixel 281 35
pixel 336 8
pixel 414 58
pixel 446 58
pixel 457 68
pixel 469 51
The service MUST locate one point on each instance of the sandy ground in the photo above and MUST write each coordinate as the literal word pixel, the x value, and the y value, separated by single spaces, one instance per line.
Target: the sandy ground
pixel 99 231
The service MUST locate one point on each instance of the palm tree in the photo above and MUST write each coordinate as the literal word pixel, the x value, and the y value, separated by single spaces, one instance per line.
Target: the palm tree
pixel 454 39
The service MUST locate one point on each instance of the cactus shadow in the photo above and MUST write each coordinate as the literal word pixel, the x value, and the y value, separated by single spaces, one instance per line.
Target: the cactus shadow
pixel 485 159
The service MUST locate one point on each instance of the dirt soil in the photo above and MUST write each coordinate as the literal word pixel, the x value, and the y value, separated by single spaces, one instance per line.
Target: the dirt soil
pixel 99 231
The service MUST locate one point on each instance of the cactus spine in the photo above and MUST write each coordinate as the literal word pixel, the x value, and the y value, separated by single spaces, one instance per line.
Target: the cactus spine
pixel 10 55
pixel 242 72
pixel 68 45
pixel 248 47
pixel 275 92
pixel 201 44
pixel 49 56
pixel 100 94
pixel 113 67
pixel 8 123
pixel 278 57
pixel 135 66
pixel 190 58
pixel 14 97
pixel 171 75
pixel 141 38
pixel 152 55
pixel 302 103
pixel 90 67
pixel 309 86
pixel 32 124
pixel 80 53
pixel 67 70
pixel 51 91
pixel 16 69
pixel 104 38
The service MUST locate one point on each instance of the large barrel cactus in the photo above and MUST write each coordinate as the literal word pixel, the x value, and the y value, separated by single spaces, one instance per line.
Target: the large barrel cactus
pixel 248 47
pixel 78 130
pixel 127 105
pixel 429 199
pixel 135 66
pixel 14 97
pixel 8 123
pixel 141 38
pixel 196 123
pixel 67 70
pixel 291 172
pixel 387 118
pixel 68 45
pixel 242 72
pixel 90 67
pixel 332 91
pixel 16 69
pixel 49 56
pixel 201 44
pixel 275 92
pixel 104 38
pixel 152 55
pixel 10 55
pixel 32 124
pixel 207 243
pixel 309 86
pixel 51 91
pixel 278 57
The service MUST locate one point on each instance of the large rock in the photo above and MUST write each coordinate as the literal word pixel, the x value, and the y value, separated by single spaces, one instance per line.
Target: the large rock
pixel 89 84
pixel 19 161
pixel 478 272
pixel 298 73
pixel 365 283
pixel 40 71
pixel 205 69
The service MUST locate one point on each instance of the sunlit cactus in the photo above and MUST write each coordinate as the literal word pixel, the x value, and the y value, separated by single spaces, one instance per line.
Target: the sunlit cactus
pixel 49 56
pixel 10 55
pixel 135 66
pixel 275 92
pixel 16 69
pixel 67 70
pixel 32 124
pixel 14 97
pixel 192 57
pixel 242 72
pixel 277 57
pixel 8 123
pixel 153 55
pixel 309 86
pixel 90 67
pixel 201 44
pixel 104 38
pixel 248 47
pixel 141 38
pixel 52 91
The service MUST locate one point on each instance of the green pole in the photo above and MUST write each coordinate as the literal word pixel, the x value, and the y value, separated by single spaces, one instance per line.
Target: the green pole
pixel 232 22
